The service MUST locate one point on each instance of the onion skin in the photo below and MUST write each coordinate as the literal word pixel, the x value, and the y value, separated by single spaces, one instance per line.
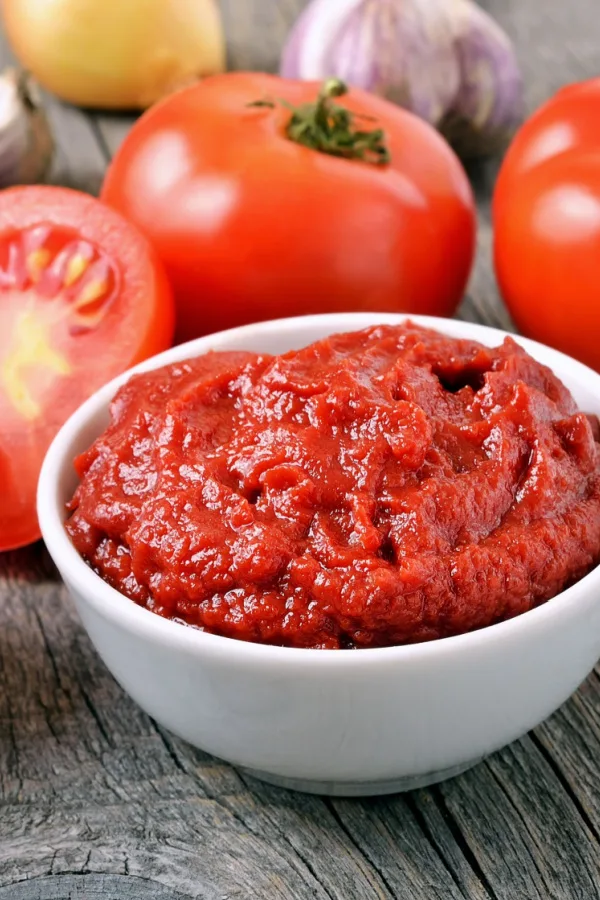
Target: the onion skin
pixel 445 60
pixel 115 54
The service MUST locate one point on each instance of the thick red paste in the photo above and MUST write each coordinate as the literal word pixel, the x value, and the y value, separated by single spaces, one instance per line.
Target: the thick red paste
pixel 376 488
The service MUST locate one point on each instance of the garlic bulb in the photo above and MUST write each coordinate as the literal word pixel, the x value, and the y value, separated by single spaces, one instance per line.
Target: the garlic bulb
pixel 26 145
pixel 445 60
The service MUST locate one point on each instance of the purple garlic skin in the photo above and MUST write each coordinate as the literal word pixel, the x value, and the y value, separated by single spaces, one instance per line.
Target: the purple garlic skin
pixel 26 143
pixel 447 61
pixel 489 106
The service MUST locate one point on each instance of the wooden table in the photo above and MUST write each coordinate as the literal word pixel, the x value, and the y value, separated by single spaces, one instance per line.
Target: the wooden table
pixel 96 801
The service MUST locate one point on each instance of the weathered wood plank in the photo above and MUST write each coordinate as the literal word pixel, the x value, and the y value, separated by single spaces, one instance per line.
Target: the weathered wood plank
pixel 570 740
pixel 525 834
pixel 111 130
pixel 256 31
pixel 89 887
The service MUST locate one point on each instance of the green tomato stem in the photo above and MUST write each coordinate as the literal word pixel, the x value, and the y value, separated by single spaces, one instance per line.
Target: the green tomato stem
pixel 329 128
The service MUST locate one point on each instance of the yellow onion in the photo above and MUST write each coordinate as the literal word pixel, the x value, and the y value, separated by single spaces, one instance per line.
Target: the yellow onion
pixel 115 54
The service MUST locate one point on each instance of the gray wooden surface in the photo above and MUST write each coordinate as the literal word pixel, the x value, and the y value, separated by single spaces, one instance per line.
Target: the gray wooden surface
pixel 96 801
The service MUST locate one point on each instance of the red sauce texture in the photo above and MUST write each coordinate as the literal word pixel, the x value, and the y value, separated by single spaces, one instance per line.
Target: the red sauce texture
pixel 375 488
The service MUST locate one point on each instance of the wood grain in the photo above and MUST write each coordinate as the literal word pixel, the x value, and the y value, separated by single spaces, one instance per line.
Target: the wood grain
pixel 98 802
pixel 256 31
pixel 89 887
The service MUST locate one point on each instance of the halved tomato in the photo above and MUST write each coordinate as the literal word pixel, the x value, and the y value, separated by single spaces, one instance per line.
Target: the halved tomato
pixel 82 298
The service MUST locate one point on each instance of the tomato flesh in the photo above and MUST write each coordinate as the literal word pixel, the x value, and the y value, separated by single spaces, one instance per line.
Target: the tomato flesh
pixel 82 298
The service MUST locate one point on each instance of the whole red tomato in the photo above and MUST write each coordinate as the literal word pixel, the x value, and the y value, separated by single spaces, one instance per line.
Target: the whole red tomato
pixel 547 224
pixel 251 224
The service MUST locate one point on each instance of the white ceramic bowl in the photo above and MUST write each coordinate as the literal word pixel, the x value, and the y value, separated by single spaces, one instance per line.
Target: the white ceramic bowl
pixel 330 721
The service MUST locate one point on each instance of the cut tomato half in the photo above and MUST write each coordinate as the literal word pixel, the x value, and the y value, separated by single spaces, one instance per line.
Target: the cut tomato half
pixel 82 298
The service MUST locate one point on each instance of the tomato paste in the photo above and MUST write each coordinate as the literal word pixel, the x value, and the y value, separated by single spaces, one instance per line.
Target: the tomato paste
pixel 375 488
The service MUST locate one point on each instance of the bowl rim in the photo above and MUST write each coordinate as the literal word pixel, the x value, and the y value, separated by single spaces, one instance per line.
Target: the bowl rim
pixel 112 605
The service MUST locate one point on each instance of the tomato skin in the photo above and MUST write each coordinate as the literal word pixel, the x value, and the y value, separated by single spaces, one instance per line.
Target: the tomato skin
pixel 51 357
pixel 252 226
pixel 546 214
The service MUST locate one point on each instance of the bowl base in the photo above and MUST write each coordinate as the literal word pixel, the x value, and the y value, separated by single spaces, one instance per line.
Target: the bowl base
pixel 361 788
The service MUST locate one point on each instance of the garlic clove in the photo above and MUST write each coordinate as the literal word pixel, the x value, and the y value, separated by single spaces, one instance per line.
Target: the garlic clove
pixel 26 144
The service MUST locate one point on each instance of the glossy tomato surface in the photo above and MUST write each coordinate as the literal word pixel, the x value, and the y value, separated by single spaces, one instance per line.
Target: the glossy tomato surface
pixel 82 298
pixel 251 225
pixel 547 224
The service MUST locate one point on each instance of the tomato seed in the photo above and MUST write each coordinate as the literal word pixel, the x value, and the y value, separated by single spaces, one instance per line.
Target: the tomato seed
pixel 36 262
pixel 92 291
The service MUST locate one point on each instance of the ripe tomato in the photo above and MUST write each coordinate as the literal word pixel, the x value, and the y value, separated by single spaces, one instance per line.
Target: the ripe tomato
pixel 253 225
pixel 82 297
pixel 547 224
